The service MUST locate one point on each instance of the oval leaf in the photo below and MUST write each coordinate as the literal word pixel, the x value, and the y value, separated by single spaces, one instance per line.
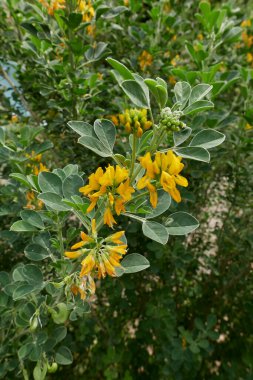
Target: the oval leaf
pixel 134 262
pixel 50 182
pixel 208 138
pixel 106 132
pixel 181 223
pixel 21 226
pixel 155 231
pixel 54 201
pixel 194 153
pixel 32 217
pixel 36 252
pixel 63 356
pixel 135 93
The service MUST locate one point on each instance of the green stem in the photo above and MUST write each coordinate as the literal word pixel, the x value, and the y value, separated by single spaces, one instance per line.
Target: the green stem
pixel 116 160
pixel 137 197
pixel 82 219
pixel 133 156
pixel 59 233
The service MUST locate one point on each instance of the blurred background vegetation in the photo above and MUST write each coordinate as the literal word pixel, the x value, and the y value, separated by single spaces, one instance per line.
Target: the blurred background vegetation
pixel 189 316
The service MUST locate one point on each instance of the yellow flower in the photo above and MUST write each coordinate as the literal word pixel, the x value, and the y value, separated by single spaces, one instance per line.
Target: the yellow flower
pixel 249 57
pixel 248 126
pixel 248 40
pixel 200 37
pixel 108 217
pixel 175 60
pixel 135 121
pixel 84 287
pixel 87 10
pixel 145 59
pixel 162 171
pixel 91 31
pixel 39 169
pixel 32 201
pixel 53 5
pixel 172 80
pixel 14 118
pixel 113 186
pixel 102 255
pixel 246 24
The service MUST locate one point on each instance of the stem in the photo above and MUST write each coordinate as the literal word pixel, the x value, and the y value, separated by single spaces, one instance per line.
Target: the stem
pixel 19 93
pixel 133 155
pixel 116 160
pixel 137 197
pixel 59 233
pixel 81 218
pixel 72 66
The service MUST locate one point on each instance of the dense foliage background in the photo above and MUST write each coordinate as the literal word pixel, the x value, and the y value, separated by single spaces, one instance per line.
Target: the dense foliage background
pixel 189 316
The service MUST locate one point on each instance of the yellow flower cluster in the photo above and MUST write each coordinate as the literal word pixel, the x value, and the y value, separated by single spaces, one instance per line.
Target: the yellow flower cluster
pixel 249 57
pixel 163 171
pixel 84 287
pixel 145 59
pixel 32 201
pixel 14 118
pixel 175 60
pixel 246 24
pixel 102 256
pixel 36 166
pixel 113 186
pixel 87 10
pixel 135 121
pixel 247 39
pixel 53 5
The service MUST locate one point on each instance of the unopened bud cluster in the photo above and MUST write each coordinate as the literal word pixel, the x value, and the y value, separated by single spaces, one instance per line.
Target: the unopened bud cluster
pixel 170 120
pixel 135 121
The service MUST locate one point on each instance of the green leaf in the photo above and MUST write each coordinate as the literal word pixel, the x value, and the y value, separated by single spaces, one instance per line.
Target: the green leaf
pixel 135 93
pixel 120 68
pixel 63 356
pixel 50 182
pixel 134 262
pixel 194 153
pixel 21 226
pixel 208 138
pixel 71 185
pixel 199 106
pixel 54 201
pixel 36 252
pixel 162 95
pixel 106 132
pixel 21 178
pixel 25 350
pixel 95 145
pixel 181 136
pixel 159 90
pixel 23 290
pixel 30 28
pixel 32 274
pixel 82 128
pixel 114 12
pixel 181 223
pixel 59 333
pixel 95 53
pixel 2 135
pixel 164 201
pixel 75 20
pixel 232 35
pixel 155 231
pixel 32 217
pixel 199 92
pixel 182 92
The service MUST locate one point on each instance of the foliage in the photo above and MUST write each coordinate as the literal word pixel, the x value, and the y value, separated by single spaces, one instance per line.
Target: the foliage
pixel 111 113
